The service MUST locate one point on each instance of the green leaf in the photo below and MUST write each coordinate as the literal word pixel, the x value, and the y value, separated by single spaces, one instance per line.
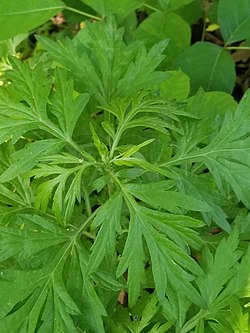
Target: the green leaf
pixel 159 26
pixel 109 220
pixel 238 285
pixel 132 259
pixel 160 195
pixel 17 17
pixel 143 314
pixel 175 307
pixel 202 189
pixel 234 20
pixel 191 12
pixel 63 105
pixel 98 76
pixel 141 73
pixel 124 71
pixel 227 154
pixel 217 270
pixel 208 66
pixel 163 249
pixel 10 198
pixel 100 146
pixel 33 236
pixel 41 297
pixel 26 158
pixel 105 7
pixel 165 253
pixel 238 319
pixel 209 109
pixel 79 283
pixel 32 86
pixel 35 291
pixel 176 87
pixel 172 4
pixel 64 185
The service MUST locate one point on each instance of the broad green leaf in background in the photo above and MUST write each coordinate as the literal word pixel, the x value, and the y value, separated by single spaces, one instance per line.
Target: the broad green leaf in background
pixel 176 87
pixel 159 26
pixel 234 20
pixel 21 16
pixel 190 12
pixel 105 7
pixel 171 5
pixel 208 66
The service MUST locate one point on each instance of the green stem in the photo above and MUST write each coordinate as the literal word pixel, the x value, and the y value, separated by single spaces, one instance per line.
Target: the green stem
pixel 116 141
pixel 151 7
pixel 85 223
pixel 238 48
pixel 205 14
pixel 74 10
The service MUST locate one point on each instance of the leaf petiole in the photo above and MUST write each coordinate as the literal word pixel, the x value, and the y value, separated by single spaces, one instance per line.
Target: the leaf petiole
pixel 77 11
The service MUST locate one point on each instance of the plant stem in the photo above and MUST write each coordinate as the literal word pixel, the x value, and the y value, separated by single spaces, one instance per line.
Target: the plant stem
pixel 74 10
pixel 238 48
pixel 205 10
pixel 85 223
pixel 116 141
pixel 151 7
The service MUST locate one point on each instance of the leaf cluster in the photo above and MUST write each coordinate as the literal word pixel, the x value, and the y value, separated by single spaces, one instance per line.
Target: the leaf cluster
pixel 113 182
